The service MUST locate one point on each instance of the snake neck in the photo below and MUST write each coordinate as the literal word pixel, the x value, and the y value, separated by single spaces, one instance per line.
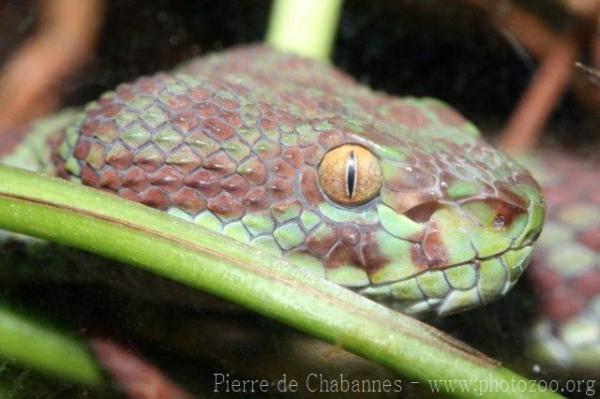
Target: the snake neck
pixel 35 147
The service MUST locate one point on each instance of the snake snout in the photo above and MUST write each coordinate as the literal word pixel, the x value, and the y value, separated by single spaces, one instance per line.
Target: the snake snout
pixel 466 252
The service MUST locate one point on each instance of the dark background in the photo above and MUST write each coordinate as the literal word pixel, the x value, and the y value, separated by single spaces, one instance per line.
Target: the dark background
pixel 446 49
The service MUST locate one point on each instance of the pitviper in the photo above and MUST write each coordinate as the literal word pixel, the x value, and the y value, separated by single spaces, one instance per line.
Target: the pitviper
pixel 399 199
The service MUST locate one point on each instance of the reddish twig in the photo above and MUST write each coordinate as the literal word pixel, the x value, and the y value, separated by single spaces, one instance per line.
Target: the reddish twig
pixel 554 74
pixel 557 56
pixel 596 46
pixel 527 28
pixel 30 82
pixel 137 377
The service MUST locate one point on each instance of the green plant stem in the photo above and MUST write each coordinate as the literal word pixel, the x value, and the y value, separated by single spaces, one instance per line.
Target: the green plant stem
pixel 34 344
pixel 304 27
pixel 104 224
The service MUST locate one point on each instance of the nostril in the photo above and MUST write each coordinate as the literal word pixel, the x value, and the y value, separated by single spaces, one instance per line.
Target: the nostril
pixel 492 212
pixel 505 212
pixel 422 212
pixel 499 222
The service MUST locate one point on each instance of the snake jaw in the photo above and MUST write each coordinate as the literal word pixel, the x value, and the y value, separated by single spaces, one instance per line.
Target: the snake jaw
pixel 457 252
pixel 459 258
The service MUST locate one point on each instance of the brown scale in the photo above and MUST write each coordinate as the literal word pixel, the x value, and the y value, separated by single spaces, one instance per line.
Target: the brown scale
pixel 310 187
pixel 343 254
pixel 433 249
pixel 409 115
pixel 373 258
pixel 256 199
pixel 418 256
pixel 227 206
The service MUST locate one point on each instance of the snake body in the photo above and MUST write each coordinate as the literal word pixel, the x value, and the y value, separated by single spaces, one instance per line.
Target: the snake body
pixel 234 142
pixel 565 267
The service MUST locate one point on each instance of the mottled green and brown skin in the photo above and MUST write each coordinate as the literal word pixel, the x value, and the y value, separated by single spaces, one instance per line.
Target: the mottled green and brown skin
pixel 233 141
pixel 565 266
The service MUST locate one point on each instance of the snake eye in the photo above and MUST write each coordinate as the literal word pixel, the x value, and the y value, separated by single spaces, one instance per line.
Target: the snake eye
pixel 350 175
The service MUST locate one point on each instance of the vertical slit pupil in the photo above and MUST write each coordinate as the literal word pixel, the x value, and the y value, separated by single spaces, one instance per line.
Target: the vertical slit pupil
pixel 351 175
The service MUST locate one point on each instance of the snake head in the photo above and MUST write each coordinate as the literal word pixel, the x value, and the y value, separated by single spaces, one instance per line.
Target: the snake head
pixel 449 222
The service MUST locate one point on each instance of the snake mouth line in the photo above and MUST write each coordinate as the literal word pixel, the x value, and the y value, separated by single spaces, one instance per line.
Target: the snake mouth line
pixel 475 260
pixel 455 288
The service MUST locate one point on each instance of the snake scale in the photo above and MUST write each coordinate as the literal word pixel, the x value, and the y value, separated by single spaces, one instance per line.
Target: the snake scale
pixel 399 199
pixel 565 266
